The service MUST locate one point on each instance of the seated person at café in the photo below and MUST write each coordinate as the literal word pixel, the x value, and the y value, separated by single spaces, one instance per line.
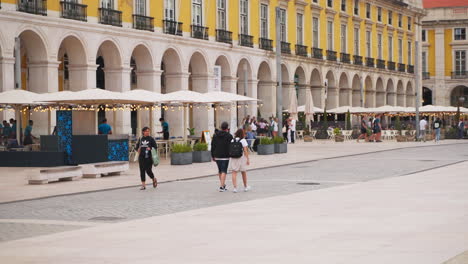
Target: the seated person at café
pixel 28 137
pixel 104 128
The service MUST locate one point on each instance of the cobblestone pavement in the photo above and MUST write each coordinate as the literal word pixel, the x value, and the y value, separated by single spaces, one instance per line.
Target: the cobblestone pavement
pixel 130 203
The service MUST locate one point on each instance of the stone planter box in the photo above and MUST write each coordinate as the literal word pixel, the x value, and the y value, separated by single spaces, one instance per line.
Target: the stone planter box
pixel 181 158
pixel 339 138
pixel 266 149
pixel 307 139
pixel 281 148
pixel 201 156
pixel 401 138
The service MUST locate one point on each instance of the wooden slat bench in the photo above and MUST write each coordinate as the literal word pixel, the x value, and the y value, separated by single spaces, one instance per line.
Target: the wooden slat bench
pixel 62 173
pixel 95 170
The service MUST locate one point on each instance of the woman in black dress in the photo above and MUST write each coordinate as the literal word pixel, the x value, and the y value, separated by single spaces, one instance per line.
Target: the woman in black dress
pixel 145 144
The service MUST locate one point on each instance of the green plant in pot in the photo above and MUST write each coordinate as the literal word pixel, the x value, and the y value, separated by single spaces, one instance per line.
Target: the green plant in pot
pixel 266 146
pixel 191 131
pixel 399 137
pixel 338 135
pixel 181 154
pixel 307 136
pixel 280 145
pixel 201 153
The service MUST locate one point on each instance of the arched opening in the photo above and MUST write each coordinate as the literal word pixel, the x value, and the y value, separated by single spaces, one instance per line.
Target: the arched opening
pixel 266 90
pixel 391 96
pixel 410 95
pixel 345 90
pixel 317 87
pixel 356 101
pixel 171 81
pixel 427 96
pixel 369 93
pixel 244 87
pixel 380 90
pixel 286 85
pixel 400 94
pixel 199 117
pixel 226 83
pixel 300 85
pixel 225 73
pixel 458 92
pixel 331 97
pixel 72 58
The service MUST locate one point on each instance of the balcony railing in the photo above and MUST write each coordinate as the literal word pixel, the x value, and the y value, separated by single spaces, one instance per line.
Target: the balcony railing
pixel 410 68
pixel 317 53
pixel 357 60
pixel 380 64
pixel 110 16
pixel 345 58
pixel 246 40
pixel 391 65
pixel 73 11
pixel 285 47
pixel 199 32
pixel 301 50
pixel 143 22
pixel 370 62
pixel 401 67
pixel 224 36
pixel 460 75
pixel 331 55
pixel 37 7
pixel 172 27
pixel 266 44
pixel 426 75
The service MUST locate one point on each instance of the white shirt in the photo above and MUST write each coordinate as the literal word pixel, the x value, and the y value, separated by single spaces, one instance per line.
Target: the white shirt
pixel 293 125
pixel 253 126
pixel 422 124
pixel 242 141
pixel 275 126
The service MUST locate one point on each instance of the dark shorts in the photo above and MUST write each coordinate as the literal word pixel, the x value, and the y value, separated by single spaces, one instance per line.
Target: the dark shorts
pixel 376 130
pixel 363 131
pixel 222 165
pixel 166 135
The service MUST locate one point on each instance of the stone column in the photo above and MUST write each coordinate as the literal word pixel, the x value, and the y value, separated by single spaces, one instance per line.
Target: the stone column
pixel 286 93
pixel 203 116
pixel 439 86
pixel 150 80
pixel 175 115
pixel 118 80
pixel 267 93
pixel 302 93
pixel 345 96
pixel 82 76
pixel 229 113
pixel 369 98
pixel 391 98
pixel 332 98
pixel 252 92
pixel 7 81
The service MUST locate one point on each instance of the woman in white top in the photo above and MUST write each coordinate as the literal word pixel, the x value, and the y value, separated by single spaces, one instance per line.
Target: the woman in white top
pixel 241 163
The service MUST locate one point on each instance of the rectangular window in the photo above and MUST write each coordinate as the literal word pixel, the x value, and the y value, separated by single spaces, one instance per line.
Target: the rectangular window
pixel 282 14
pixel 244 17
pixel 315 31
pixel 330 3
pixel 104 3
pixel 140 7
pixel 460 61
pixel 409 53
pixel 356 7
pixel 379 14
pixel 424 61
pixel 169 10
pixel 368 44
pixel 400 20
pixel 299 29
pixel 390 48
pixel 460 33
pixel 315 1
pixel 409 23
pixel 400 50
pixel 264 21
pixel 356 41
pixel 379 45
pixel 197 18
pixel 368 11
pixel 222 15
pixel 423 35
pixel 343 39
pixel 330 35
pixel 390 17
pixel 343 5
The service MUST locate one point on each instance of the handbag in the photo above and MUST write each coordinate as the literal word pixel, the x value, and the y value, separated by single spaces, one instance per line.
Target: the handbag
pixel 155 157
pixel 135 157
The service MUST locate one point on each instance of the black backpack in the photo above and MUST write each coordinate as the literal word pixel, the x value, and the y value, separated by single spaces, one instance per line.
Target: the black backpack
pixel 235 149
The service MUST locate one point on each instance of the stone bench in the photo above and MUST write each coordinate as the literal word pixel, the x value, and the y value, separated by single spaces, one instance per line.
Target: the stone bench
pixel 95 170
pixel 63 173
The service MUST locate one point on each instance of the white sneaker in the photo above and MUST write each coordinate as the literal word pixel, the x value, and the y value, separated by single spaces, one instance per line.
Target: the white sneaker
pixel 246 189
pixel 234 190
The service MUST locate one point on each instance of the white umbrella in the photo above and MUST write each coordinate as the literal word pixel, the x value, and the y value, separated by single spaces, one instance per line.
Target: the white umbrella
pixel 309 106
pixel 92 97
pixel 301 108
pixel 340 110
pixel 292 109
pixel 232 97
pixel 145 95
pixel 185 96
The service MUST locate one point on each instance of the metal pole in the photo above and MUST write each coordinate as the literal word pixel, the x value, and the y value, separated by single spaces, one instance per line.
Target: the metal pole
pixel 416 76
pixel 17 63
pixel 279 85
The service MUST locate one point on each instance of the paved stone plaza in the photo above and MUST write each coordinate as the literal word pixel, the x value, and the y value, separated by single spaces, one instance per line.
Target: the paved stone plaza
pixel 402 204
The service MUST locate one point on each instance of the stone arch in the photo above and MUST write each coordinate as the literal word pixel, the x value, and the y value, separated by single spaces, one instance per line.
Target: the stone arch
pixel 427 96
pixel 226 73
pixel 410 95
pixel 356 100
pixel 400 94
pixel 332 90
pixel 245 86
pixel 72 71
pixel 344 90
pixel 457 92
pixel 380 93
pixel 369 92
pixel 109 74
pixel 198 82
pixel 142 68
pixel 266 90
pixel 391 95
pixel 300 85
pixel 316 84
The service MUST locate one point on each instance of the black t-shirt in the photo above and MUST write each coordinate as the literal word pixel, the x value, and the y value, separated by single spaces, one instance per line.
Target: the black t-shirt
pixel 437 124
pixel 143 144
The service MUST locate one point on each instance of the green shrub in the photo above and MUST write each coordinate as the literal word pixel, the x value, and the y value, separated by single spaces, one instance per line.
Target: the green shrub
pixel 278 140
pixel 191 131
pixel 451 133
pixel 181 148
pixel 200 147
pixel 398 124
pixel 348 120
pixel 266 141
pixel 337 131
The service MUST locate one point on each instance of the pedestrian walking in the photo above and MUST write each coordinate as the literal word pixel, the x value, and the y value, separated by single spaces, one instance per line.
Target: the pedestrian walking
pixel 363 129
pixel 239 153
pixel 461 129
pixel 220 153
pixel 274 126
pixel 292 127
pixel 422 129
pixel 165 129
pixel 145 144
pixel 436 126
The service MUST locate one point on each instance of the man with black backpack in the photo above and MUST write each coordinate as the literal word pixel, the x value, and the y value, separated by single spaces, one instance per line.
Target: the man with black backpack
pixel 220 153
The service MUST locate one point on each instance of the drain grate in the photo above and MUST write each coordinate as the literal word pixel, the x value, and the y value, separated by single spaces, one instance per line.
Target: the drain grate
pixel 106 218
pixel 308 183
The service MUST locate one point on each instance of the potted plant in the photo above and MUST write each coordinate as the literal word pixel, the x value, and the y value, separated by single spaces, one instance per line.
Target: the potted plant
pixel 307 137
pixel 280 145
pixel 266 146
pixel 191 131
pixel 201 153
pixel 338 135
pixel 181 154
pixel 399 137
